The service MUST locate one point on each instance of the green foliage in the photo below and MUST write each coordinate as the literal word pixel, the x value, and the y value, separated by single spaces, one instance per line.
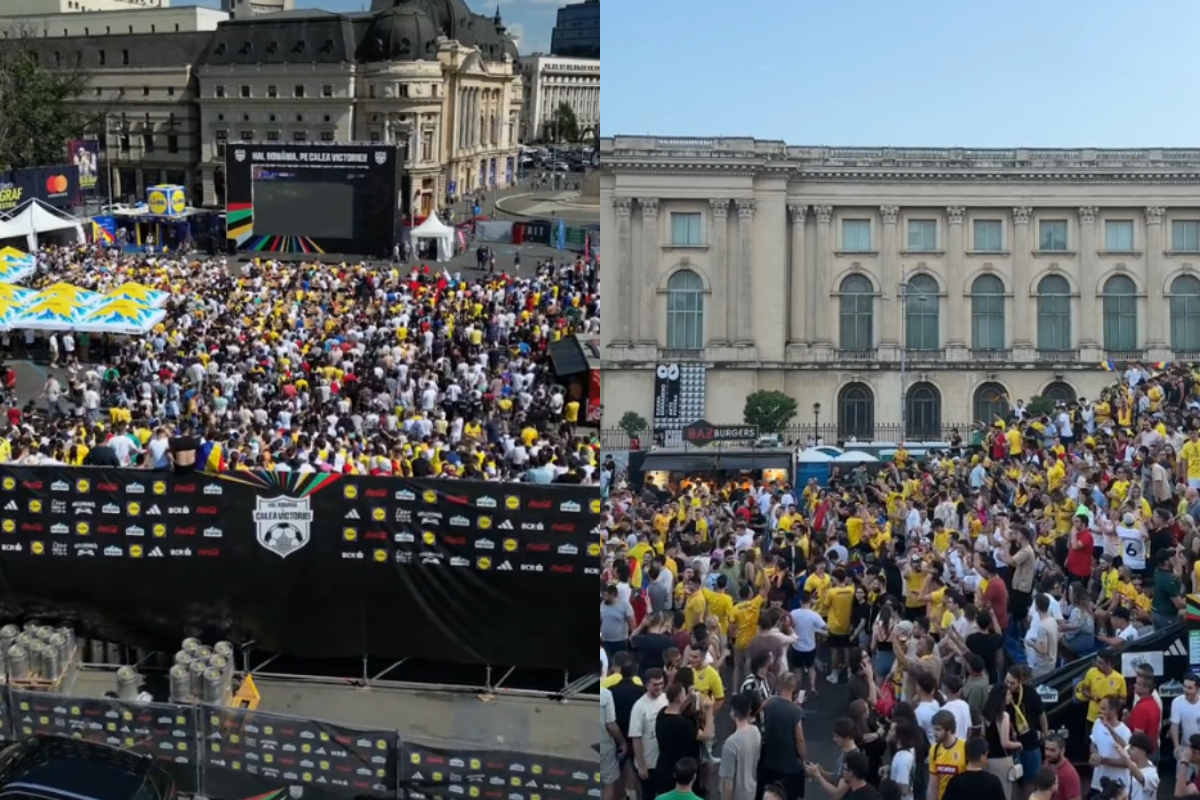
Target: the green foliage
pixel 563 126
pixel 39 105
pixel 1039 406
pixel 633 423
pixel 770 411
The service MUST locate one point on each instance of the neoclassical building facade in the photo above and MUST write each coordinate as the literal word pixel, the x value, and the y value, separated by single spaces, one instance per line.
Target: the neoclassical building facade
pixel 929 286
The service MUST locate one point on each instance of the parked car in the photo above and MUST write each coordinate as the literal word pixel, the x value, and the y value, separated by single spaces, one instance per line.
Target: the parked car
pixel 61 768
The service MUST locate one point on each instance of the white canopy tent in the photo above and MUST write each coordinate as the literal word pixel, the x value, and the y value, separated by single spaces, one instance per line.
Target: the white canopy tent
pixel 440 232
pixel 34 217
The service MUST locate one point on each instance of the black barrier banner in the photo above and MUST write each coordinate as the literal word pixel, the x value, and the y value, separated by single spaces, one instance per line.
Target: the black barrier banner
pixel 309 564
pixel 429 772
pixel 248 753
pixel 165 731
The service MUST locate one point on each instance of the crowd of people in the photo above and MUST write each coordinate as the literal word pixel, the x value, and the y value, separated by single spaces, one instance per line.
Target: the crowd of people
pixel 937 590
pixel 354 368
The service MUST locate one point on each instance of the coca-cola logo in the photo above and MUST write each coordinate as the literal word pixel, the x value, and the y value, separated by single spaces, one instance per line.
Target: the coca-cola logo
pixel 541 505
pixel 538 547
pixel 31 527
pixel 376 493
pixel 457 541
pixel 107 529
pixel 107 487
pixel 209 552
pixel 377 535
pixel 33 485
pixel 185 488
pixel 206 510
pixel 565 569
pixel 185 531
pixel 457 499
pixel 563 527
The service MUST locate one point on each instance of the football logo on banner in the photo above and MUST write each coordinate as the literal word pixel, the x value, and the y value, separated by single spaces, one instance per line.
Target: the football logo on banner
pixel 283 524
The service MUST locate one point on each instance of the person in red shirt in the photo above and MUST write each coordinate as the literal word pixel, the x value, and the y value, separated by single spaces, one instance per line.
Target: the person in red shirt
pixel 1079 550
pixel 1146 716
pixel 995 596
pixel 1069 786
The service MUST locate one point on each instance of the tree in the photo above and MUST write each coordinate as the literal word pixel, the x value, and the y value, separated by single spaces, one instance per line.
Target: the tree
pixel 770 411
pixel 563 125
pixel 632 423
pixel 1039 406
pixel 40 108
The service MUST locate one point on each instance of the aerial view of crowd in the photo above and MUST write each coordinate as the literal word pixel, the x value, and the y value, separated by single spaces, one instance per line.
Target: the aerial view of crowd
pixel 367 369
pixel 933 591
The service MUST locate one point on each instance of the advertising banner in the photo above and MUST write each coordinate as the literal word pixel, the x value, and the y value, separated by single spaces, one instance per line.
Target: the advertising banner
pixel 538 232
pixel 441 773
pixel 163 730
pixel 250 753
pixel 85 155
pixel 146 556
pixel 58 186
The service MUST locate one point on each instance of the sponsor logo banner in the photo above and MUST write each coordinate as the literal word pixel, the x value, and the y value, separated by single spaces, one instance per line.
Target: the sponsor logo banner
pixel 445 774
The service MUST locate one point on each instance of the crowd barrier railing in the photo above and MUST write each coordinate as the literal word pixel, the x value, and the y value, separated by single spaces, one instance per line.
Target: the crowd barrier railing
pixel 227 753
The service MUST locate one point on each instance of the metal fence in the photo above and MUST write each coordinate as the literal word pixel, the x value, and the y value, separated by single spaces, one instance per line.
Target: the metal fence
pixel 227 753
pixel 831 433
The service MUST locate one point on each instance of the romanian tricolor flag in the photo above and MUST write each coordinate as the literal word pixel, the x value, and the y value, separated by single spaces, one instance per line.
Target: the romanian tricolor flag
pixel 212 455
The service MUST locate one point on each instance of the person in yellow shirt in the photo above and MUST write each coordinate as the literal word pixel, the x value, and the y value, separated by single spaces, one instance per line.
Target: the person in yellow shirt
pixel 948 755
pixel 706 680
pixel 743 627
pixel 1189 460
pixel 695 607
pixel 817 585
pixel 1100 682
pixel 720 604
pixel 839 600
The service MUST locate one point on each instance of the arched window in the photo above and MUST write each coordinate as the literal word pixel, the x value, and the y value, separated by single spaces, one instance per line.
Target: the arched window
pixel 1120 313
pixel 921 314
pixel 1059 392
pixel 987 313
pixel 1185 314
pixel 856 412
pixel 923 405
pixel 991 401
pixel 685 311
pixel 857 313
pixel 1054 313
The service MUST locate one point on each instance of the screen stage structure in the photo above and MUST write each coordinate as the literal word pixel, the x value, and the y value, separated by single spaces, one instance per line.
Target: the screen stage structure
pixel 311 198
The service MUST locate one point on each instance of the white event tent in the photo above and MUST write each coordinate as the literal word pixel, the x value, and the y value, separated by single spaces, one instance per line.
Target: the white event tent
pixel 33 218
pixel 434 228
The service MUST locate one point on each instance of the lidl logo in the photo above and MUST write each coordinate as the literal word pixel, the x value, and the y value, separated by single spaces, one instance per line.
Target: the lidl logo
pixel 160 531
pixel 134 509
pixel 430 496
pixel 83 486
pixel 135 551
pixel 428 538
pixel 35 506
pixel 380 556
pixel 510 545
pixel 594 506
pixel 159 487
pixel 349 534
pixel 9 525
pixel 10 484
pixel 512 502
pixel 350 492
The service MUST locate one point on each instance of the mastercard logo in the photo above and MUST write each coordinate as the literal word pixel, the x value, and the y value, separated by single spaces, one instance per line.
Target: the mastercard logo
pixel 56 184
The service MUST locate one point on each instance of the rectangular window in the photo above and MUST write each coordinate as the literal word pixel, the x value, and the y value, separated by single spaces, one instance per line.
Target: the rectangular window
pixel 298 90
pixel 922 235
pixel 148 142
pixel 101 57
pixel 299 136
pixel 272 136
pixel 1185 236
pixel 124 142
pixel 856 235
pixel 125 58
pixel 685 230
pixel 245 91
pixel 327 90
pixel 172 143
pixel 327 136
pixel 427 145
pixel 1118 235
pixel 221 137
pixel 218 91
pixel 1052 235
pixel 247 136
pixel 376 136
pixel 989 235
pixel 272 91
pixel 145 91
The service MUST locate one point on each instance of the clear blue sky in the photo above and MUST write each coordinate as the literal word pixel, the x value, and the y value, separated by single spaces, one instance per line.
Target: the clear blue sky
pixel 530 20
pixel 1050 73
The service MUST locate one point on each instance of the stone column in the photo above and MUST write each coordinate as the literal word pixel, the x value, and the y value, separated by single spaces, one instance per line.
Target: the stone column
pixel 744 327
pixel 822 320
pixel 622 207
pixel 722 280
pixel 1089 324
pixel 1157 329
pixel 1022 257
pixel 797 300
pixel 646 318
pixel 889 278
pixel 958 318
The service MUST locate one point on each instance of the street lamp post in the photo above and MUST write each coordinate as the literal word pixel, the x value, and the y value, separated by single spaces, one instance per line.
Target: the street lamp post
pixel 816 423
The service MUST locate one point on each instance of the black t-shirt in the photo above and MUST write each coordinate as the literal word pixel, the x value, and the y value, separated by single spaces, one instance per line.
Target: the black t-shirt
pixel 676 740
pixel 1031 705
pixel 649 648
pixel 974 785
pixel 986 645
pixel 778 754
pixel 625 693
pixel 867 792
pixel 184 444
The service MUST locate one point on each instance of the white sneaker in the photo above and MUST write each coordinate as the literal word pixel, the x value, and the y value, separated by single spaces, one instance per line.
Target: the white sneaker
pixel 832 678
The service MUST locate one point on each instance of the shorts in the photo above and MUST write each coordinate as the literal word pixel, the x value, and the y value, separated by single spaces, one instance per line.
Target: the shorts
pixel 839 640
pixel 801 659
pixel 610 769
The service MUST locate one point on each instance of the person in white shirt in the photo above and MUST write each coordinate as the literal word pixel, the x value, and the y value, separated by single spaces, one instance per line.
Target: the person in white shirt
pixel 952 686
pixel 1185 712
pixel 642 725
pixel 802 657
pixel 1109 737
pixel 1144 775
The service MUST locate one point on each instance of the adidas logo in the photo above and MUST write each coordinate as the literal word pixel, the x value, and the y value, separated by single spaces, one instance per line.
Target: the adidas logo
pixel 505 567
pixel 153 510
pixel 12 506
pixel 352 514
pixel 156 553
pixel 1176 649
pixel 506 525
